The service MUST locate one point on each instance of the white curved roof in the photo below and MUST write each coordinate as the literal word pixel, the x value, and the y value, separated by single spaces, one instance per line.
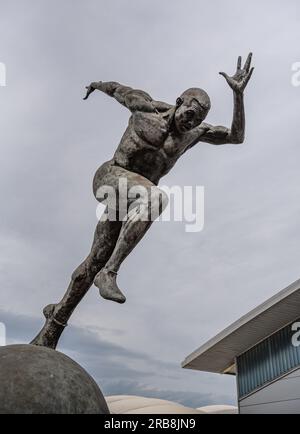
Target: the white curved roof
pixel 138 405
pixel 219 409
pixel 126 404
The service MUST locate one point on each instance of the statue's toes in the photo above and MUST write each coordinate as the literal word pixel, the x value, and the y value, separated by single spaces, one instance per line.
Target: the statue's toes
pixel 116 296
pixel 120 298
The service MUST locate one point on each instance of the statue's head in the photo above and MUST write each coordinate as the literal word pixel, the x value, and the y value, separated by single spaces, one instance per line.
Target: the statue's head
pixel 192 108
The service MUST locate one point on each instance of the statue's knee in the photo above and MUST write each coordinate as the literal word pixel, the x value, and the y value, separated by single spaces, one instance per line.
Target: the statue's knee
pixel 159 199
pixel 158 202
pixel 164 200
pixel 151 202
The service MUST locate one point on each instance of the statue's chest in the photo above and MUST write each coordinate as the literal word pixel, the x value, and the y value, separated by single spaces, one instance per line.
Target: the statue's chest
pixel 174 146
pixel 151 128
pixel 154 130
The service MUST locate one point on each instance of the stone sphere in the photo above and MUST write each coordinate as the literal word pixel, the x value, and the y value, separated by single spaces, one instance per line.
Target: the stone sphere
pixel 38 380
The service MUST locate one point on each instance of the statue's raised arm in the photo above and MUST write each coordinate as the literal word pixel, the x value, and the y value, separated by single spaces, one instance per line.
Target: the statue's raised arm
pixel 219 135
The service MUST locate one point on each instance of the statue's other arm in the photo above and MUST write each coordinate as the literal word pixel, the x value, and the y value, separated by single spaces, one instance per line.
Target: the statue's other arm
pixel 218 135
pixel 133 99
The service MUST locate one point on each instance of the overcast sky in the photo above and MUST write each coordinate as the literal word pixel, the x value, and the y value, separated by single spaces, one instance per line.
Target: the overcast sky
pixel 182 288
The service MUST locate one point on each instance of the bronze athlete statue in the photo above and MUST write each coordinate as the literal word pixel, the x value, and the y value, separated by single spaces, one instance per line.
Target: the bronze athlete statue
pixel 158 134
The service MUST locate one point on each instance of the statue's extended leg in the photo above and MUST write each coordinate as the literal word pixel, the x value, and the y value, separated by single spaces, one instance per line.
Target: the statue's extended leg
pixel 133 229
pixel 57 316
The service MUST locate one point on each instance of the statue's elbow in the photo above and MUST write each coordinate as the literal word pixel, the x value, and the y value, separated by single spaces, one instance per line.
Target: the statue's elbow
pixel 239 140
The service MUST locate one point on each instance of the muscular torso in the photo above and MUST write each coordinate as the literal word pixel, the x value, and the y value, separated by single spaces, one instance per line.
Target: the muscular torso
pixel 149 146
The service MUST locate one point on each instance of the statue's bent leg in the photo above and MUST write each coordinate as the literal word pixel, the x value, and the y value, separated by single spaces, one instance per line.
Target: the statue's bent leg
pixel 138 221
pixel 57 316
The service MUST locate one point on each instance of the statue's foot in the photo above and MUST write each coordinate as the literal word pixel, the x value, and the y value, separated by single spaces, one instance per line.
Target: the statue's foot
pixel 50 333
pixel 108 288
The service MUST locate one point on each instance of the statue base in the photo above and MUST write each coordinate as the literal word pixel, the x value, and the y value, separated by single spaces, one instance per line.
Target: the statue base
pixel 39 380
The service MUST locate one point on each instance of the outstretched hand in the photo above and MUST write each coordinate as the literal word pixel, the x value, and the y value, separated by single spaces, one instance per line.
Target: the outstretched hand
pixel 240 79
pixel 90 89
